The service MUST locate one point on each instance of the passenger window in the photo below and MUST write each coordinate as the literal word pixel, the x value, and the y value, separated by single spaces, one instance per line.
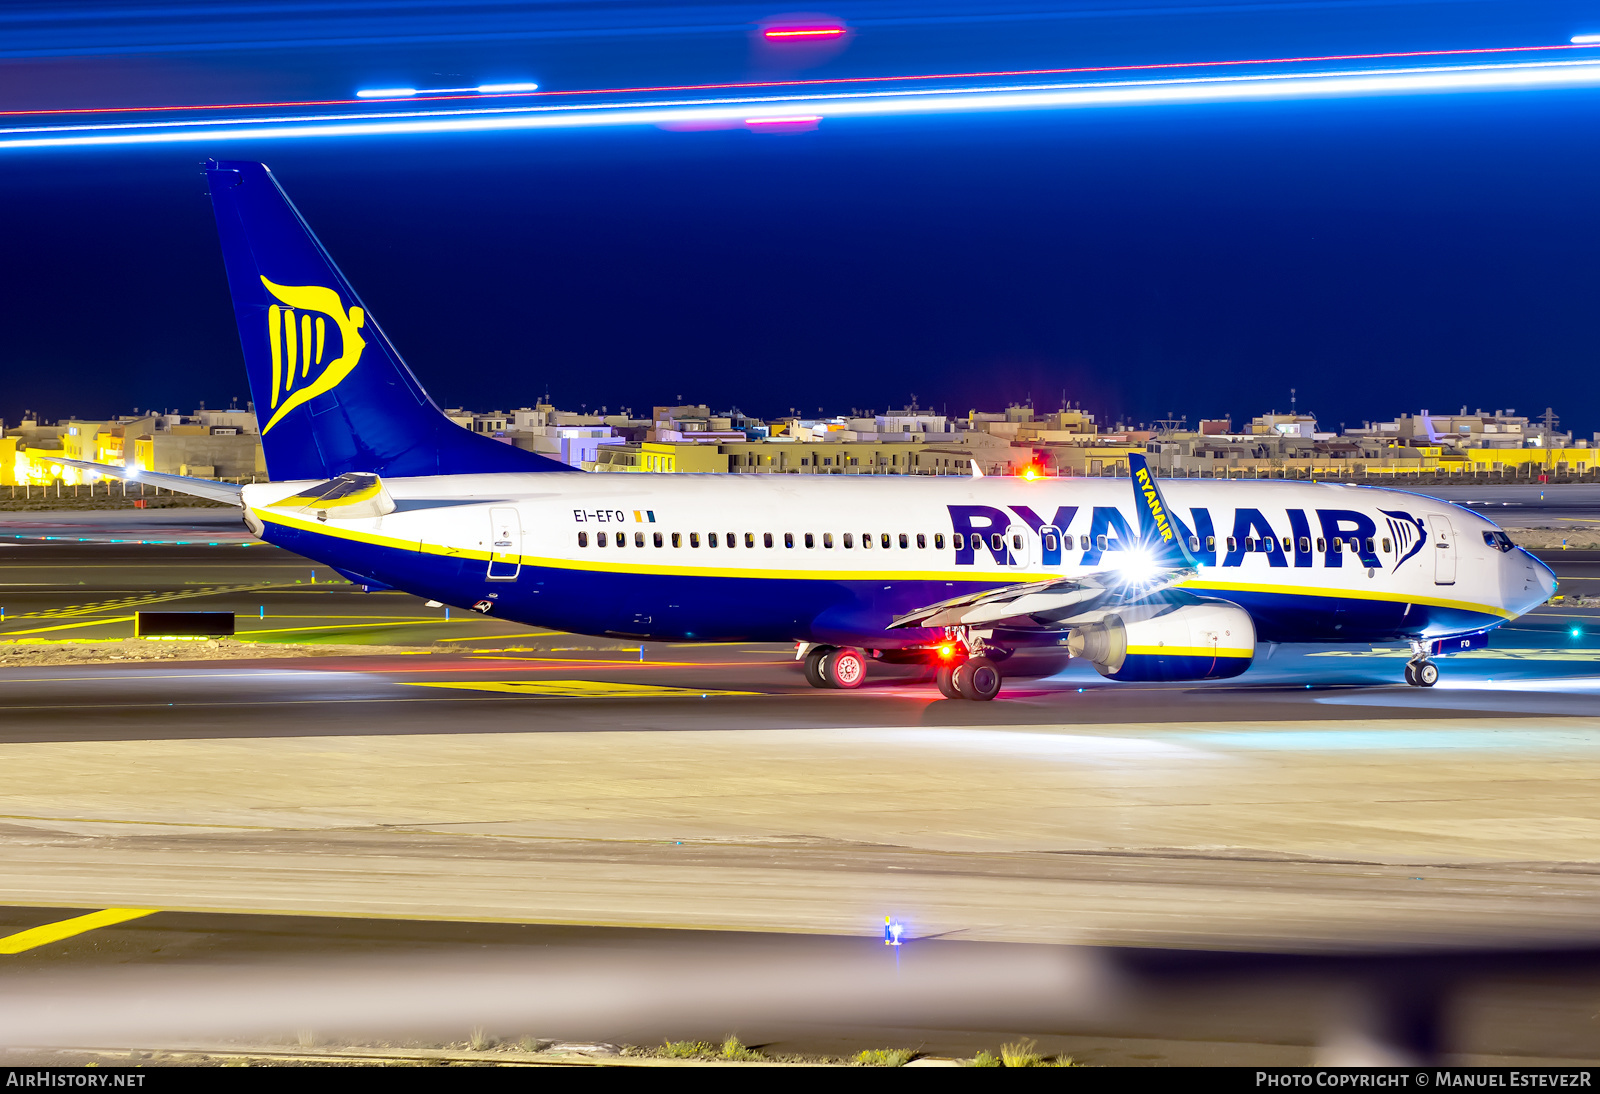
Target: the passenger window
pixel 1369 545
pixel 731 539
pixel 711 539
pixel 657 538
pixel 1355 545
pixel 866 541
pixel 997 542
pixel 1083 543
pixel 1387 546
pixel 1322 544
pixel 1249 544
pixel 622 539
pixel 1194 543
pixel 1268 544
pixel 638 539
pixel 788 539
pixel 811 541
pixel 600 539
pixel 1305 545
pixel 1233 545
pixel 1050 542
pixel 922 542
pixel 677 539
pixel 583 539
pixel 827 540
pixel 958 541
pixel 749 539
pixel 938 541
pixel 1288 544
pixel 1211 544
pixel 766 539
pixel 1100 542
pixel 694 539
pixel 1338 546
pixel 849 540
pixel 885 541
pixel 1016 542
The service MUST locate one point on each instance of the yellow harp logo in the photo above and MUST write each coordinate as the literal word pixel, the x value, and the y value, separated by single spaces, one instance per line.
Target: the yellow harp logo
pixel 298 335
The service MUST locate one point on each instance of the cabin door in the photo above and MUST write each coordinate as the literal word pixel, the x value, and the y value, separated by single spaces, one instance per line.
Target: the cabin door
pixel 1442 542
pixel 505 545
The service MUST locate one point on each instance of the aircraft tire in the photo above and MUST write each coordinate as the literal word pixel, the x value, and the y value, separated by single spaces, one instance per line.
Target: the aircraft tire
pixel 1427 674
pixel 1411 674
pixel 844 668
pixel 944 676
pixel 978 678
pixel 813 663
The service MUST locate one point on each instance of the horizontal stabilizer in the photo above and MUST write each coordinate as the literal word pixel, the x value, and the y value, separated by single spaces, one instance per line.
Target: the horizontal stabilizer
pixel 351 496
pixel 225 492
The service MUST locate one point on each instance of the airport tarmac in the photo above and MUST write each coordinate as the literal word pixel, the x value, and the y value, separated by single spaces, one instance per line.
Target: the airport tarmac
pixel 507 775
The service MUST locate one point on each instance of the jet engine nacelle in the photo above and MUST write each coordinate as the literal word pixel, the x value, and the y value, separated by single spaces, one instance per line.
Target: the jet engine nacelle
pixel 1195 640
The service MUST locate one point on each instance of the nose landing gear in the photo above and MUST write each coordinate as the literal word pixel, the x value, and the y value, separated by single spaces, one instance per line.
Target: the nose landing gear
pixel 1421 672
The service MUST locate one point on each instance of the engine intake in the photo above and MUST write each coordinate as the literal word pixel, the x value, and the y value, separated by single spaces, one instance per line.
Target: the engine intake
pixel 1195 640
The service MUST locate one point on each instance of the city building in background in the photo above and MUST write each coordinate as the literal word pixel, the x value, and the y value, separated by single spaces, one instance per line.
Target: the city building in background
pixel 1017 439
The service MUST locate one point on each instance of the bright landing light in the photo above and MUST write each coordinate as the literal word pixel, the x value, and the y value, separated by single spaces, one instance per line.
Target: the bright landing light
pixel 1586 40
pixel 705 112
pixel 1134 566
pixel 387 93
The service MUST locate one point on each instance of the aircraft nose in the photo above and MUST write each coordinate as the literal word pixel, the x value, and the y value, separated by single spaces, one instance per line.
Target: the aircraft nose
pixel 1538 581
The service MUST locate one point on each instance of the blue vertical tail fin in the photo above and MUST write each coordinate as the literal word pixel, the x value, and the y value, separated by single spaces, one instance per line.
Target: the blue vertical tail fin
pixel 331 393
pixel 1159 537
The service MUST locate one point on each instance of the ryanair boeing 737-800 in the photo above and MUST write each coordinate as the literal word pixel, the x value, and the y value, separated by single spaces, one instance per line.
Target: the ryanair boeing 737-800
pixel 1177 581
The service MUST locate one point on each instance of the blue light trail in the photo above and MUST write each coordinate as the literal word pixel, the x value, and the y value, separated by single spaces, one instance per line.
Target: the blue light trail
pixel 771 109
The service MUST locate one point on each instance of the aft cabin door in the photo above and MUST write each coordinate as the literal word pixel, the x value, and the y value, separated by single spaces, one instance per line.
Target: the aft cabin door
pixel 1442 542
pixel 505 545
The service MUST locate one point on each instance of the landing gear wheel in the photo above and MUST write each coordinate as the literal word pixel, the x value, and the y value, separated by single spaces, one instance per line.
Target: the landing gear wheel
pixel 945 677
pixel 1427 674
pixel 1411 673
pixel 844 668
pixel 814 658
pixel 978 678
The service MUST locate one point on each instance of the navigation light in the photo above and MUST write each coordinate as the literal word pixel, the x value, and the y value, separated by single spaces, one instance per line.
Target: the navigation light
pixel 892 930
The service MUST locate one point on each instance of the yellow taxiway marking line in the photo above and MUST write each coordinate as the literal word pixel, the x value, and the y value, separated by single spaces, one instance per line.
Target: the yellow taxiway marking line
pixel 587 660
pixel 579 689
pixel 345 626
pixel 55 932
pixel 498 637
pixel 70 626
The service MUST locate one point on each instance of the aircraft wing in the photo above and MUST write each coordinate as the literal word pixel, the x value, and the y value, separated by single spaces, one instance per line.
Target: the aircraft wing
pixel 1159 560
pixel 201 488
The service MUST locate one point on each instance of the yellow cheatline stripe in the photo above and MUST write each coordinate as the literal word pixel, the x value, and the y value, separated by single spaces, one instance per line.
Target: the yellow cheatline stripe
pixel 71 626
pixel 55 932
pixel 1189 651
pixel 1590 656
pixel 1348 594
pixel 580 689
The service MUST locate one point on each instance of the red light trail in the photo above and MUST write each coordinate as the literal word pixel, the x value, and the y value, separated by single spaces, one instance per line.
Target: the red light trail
pixel 836 81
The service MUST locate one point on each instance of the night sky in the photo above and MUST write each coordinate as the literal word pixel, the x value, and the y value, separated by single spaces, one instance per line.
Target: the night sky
pixel 1379 255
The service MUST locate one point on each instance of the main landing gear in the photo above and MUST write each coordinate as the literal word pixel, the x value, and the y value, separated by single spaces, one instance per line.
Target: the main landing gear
pixel 1421 672
pixel 959 675
pixel 976 678
pixel 835 667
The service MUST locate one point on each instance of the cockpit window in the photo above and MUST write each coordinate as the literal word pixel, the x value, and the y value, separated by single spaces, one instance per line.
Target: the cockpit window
pixel 1498 540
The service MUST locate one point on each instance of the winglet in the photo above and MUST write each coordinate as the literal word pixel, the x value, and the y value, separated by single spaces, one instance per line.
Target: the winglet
pixel 1158 535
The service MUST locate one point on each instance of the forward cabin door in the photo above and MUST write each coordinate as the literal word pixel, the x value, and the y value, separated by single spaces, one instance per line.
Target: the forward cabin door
pixel 1442 542
pixel 505 545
